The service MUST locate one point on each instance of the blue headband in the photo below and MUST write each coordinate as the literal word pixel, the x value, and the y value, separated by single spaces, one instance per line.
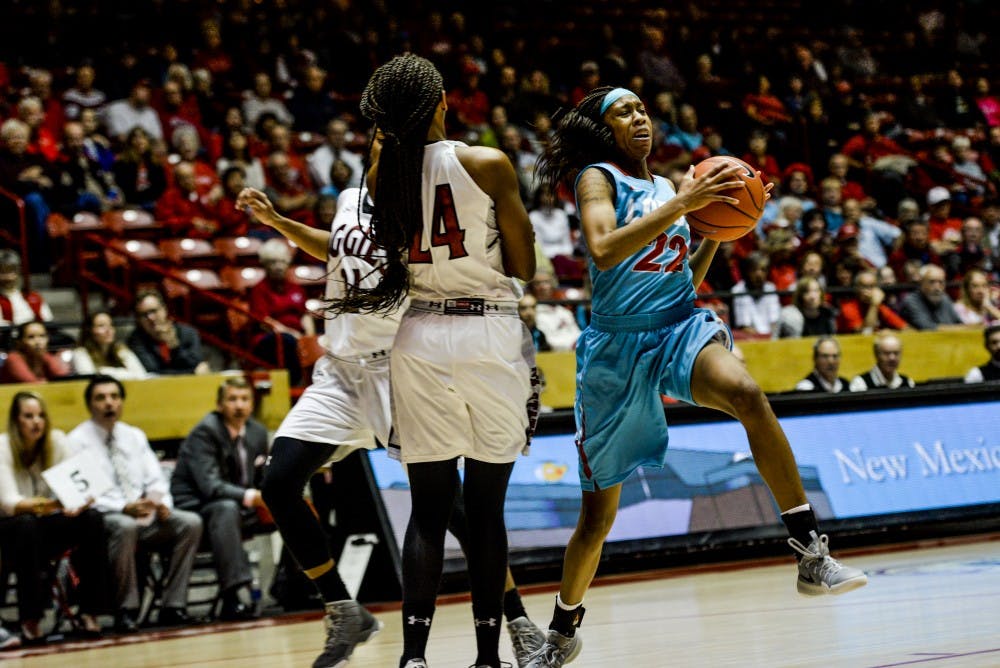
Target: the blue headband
pixel 613 96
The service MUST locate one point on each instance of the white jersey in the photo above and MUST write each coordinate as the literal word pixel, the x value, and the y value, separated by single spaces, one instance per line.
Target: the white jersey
pixel 354 257
pixel 459 251
pixel 348 402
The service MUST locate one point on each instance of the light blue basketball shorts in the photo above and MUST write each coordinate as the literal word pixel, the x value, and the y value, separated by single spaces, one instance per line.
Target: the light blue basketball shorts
pixel 624 364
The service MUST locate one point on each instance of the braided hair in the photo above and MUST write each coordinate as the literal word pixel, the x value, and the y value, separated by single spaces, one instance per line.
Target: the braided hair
pixel 581 138
pixel 401 99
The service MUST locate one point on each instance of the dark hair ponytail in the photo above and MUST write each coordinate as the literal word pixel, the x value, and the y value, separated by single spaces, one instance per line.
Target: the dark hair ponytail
pixel 581 138
pixel 400 99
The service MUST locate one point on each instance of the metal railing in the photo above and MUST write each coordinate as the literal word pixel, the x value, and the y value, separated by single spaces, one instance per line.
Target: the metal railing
pixel 19 238
pixel 125 290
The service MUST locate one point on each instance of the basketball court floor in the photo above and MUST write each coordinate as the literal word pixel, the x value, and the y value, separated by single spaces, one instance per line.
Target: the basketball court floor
pixel 936 604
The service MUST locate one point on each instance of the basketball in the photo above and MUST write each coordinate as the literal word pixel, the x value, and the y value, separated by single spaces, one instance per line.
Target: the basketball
pixel 723 221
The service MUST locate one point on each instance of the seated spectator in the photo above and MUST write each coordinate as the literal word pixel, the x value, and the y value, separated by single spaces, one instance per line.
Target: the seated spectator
pixel 122 115
pixel 219 469
pixel 236 153
pixel 797 181
pixel 35 528
pixel 838 167
pixel 30 361
pixel 866 311
pixel 101 352
pixel 973 252
pixel 990 370
pixel 183 211
pixel 83 95
pixel 335 148
pixel 812 265
pixel 289 189
pixel 915 247
pixel 138 174
pixel 18 306
pixel 137 510
pixel 929 307
pixel 261 100
pixel 232 221
pixel 526 309
pixel 945 230
pixel 757 156
pixel 556 321
pixel 162 345
pixel 807 315
pixel 188 149
pixel 312 103
pixel 781 244
pixel 815 234
pixel 885 374
pixel 552 230
pixel 875 237
pixel 977 306
pixel 43 135
pixel 756 307
pixel 826 367
pixel 81 182
pixel 283 301
pixel 830 198
pixel 28 176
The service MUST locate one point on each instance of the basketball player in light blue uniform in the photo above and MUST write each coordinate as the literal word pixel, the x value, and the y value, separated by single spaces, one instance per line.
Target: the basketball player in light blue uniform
pixel 642 342
pixel 645 339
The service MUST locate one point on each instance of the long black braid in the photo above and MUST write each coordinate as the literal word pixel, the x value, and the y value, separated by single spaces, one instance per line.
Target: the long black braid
pixel 401 98
pixel 581 138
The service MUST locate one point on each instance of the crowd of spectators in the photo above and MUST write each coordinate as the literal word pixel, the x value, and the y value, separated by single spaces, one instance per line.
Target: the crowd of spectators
pixel 883 152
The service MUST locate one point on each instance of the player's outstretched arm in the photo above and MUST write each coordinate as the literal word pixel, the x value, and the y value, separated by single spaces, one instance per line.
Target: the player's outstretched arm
pixel 311 240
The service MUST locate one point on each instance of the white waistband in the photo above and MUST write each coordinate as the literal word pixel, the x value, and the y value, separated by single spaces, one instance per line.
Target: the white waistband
pixel 465 306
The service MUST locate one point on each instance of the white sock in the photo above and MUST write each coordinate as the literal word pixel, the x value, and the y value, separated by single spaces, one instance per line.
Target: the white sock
pixel 797 509
pixel 566 606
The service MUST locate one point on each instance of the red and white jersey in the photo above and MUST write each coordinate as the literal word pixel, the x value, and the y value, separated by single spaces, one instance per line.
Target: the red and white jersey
pixel 458 254
pixel 354 257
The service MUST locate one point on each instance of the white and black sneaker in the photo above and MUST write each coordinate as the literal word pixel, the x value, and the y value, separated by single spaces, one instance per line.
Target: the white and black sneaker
pixel 819 573
pixel 525 638
pixel 348 624
pixel 556 651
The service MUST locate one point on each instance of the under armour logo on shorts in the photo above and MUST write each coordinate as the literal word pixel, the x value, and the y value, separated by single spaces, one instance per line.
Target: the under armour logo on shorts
pixel 413 621
pixel 492 621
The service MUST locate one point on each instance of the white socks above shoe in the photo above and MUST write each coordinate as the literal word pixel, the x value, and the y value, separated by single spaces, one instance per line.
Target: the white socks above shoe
pixel 566 606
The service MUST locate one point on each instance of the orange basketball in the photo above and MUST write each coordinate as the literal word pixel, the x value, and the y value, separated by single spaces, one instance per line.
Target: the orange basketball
pixel 723 221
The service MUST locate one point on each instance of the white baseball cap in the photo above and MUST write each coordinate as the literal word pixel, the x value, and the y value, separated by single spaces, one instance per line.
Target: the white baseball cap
pixel 937 194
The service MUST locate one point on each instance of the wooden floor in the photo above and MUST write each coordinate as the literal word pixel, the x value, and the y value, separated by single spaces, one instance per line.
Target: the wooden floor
pixel 935 606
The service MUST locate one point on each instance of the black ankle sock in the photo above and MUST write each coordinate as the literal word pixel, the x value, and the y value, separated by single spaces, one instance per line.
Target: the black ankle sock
pixel 566 621
pixel 331 587
pixel 512 605
pixel 799 524
pixel 416 629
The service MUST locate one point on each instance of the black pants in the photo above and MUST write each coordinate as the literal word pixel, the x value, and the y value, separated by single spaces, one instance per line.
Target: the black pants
pixel 30 543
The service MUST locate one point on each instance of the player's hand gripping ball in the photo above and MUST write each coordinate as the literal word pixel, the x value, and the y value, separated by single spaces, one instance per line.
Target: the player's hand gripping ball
pixel 723 221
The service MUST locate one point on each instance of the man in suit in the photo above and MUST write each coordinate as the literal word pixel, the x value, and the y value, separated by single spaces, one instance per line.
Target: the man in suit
pixel 219 470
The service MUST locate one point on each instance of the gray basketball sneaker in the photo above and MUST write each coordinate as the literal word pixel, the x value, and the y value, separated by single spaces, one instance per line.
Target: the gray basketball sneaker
pixel 348 624
pixel 819 573
pixel 416 663
pixel 525 638
pixel 557 650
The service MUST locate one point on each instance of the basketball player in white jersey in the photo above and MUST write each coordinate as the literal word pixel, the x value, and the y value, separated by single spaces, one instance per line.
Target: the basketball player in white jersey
pixel 456 236
pixel 346 407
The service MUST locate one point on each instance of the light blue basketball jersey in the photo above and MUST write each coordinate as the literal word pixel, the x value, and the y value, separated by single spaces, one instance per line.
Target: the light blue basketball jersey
pixel 657 277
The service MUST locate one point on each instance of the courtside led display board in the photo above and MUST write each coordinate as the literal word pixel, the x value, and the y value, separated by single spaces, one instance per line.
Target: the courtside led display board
pixel 882 456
